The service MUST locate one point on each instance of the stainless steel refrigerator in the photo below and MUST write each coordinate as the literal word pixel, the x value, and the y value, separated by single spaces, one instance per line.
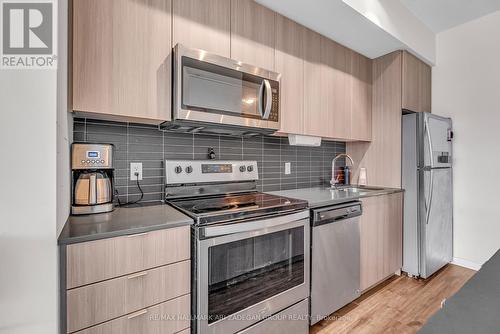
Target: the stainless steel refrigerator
pixel 427 179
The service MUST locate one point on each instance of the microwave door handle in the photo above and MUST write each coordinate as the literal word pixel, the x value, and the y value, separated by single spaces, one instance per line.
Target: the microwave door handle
pixel 261 94
pixel 269 96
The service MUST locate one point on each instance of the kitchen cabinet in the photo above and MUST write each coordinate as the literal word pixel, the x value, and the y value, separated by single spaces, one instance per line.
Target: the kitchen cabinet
pixel 90 262
pixel 289 58
pixel 381 238
pixel 253 33
pixel 126 294
pixel 361 106
pixel 166 318
pixel 339 95
pixel 203 25
pixel 315 106
pixel 382 155
pixel 121 66
pixel 337 90
pixel 110 284
pixel 416 76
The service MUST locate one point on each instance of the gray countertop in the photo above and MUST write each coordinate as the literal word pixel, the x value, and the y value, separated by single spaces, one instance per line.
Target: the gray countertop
pixel 474 308
pixel 324 196
pixel 122 221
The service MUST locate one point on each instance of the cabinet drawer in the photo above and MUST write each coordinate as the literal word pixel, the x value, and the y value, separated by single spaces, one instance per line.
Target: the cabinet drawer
pixel 96 303
pixel 99 260
pixel 169 317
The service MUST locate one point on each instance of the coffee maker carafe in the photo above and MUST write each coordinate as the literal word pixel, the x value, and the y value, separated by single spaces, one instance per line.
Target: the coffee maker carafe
pixel 93 178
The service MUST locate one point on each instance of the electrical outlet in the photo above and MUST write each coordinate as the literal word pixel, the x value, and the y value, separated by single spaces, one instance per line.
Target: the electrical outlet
pixel 288 168
pixel 135 167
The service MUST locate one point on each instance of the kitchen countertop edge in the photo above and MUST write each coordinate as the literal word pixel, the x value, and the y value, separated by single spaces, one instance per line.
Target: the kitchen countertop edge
pixel 328 202
pixel 179 220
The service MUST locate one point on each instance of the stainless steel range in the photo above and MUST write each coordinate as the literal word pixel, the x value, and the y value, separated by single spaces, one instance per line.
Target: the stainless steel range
pixel 251 250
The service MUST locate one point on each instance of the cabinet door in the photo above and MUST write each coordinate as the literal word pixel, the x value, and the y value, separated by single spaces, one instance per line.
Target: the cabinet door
pixel 122 59
pixel 416 84
pixel 98 260
pixel 381 238
pixel 166 318
pixel 315 107
pixel 252 33
pixel 361 107
pixel 393 247
pixel 203 25
pixel 371 242
pixel 96 303
pixel 290 63
pixel 337 81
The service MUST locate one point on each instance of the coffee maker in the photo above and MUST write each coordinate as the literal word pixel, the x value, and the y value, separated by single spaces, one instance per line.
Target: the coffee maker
pixel 93 178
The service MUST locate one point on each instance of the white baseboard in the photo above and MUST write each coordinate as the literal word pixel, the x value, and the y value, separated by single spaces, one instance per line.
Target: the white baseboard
pixel 466 263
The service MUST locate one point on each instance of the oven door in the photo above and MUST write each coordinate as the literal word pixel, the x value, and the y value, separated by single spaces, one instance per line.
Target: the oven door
pixel 214 89
pixel 245 277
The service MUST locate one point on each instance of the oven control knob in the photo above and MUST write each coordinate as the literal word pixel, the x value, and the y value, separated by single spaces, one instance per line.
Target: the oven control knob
pixel 242 169
pixel 250 168
pixel 189 169
pixel 178 169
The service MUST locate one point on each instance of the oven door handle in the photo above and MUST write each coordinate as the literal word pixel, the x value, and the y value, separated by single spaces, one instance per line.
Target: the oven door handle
pixel 232 228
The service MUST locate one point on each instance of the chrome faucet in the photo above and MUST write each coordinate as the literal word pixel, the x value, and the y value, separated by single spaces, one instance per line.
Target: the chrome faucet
pixel 334 181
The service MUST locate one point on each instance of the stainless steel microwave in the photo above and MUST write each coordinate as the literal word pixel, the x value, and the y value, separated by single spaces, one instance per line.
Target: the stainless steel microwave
pixel 212 93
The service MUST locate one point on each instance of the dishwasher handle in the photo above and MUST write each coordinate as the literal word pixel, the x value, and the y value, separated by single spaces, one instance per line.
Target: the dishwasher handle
pixel 336 213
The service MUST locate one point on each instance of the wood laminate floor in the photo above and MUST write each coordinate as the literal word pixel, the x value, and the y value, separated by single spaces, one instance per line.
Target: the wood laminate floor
pixel 399 305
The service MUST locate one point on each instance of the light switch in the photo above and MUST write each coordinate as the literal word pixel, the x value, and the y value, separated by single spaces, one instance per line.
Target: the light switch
pixel 288 168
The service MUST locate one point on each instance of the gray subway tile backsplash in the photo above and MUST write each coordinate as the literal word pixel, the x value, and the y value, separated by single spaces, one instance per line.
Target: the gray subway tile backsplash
pixel 310 166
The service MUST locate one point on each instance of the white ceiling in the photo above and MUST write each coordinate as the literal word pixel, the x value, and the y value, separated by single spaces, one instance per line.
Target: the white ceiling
pixel 338 21
pixel 440 15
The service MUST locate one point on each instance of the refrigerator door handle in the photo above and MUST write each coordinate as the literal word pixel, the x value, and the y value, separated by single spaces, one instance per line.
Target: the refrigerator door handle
pixel 428 205
pixel 429 140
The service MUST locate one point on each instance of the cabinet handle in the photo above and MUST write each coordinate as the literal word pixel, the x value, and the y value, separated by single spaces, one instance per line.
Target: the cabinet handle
pixel 137 235
pixel 142 273
pixel 136 314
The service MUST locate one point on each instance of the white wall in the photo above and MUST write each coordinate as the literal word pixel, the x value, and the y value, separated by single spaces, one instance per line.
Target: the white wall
pixel 34 200
pixel 28 246
pixel 466 87
pixel 64 121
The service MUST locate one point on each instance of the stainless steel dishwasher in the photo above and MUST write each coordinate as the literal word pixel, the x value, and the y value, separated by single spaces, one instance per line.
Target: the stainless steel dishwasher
pixel 335 263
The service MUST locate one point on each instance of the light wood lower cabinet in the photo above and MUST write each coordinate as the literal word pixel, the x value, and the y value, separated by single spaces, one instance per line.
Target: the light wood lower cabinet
pixel 170 317
pixel 100 302
pixel 381 238
pixel 139 283
pixel 94 261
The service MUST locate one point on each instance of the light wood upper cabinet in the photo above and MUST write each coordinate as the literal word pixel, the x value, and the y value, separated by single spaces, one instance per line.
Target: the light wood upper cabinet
pixel 339 92
pixel 203 25
pixel 315 107
pixel 252 33
pixel 382 156
pixel 417 84
pixel 361 106
pixel 290 63
pixel 121 59
pixel 381 238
